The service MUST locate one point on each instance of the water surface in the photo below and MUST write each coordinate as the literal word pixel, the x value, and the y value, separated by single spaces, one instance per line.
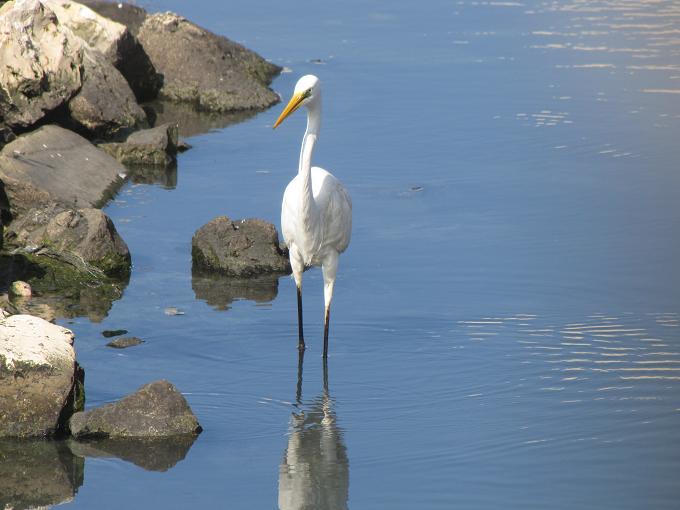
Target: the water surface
pixel 505 323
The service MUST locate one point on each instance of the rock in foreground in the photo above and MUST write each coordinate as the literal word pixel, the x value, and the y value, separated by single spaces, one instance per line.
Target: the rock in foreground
pixel 207 70
pixel 241 248
pixel 41 384
pixel 155 410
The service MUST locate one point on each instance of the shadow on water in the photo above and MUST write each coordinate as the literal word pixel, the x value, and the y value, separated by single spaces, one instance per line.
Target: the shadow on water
pixel 314 473
pixel 40 473
pixel 165 177
pixel 221 291
pixel 192 122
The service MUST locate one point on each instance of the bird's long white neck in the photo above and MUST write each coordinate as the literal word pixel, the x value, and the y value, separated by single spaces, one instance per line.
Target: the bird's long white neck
pixel 305 168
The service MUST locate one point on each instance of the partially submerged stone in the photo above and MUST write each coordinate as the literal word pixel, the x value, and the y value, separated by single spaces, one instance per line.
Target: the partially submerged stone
pixel 156 147
pixel 156 409
pixel 124 342
pixel 241 248
pixel 202 68
pixel 41 385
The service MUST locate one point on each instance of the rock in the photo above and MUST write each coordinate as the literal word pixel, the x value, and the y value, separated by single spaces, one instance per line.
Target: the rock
pixel 105 106
pixel 114 41
pixel 49 70
pixel 20 289
pixel 53 165
pixel 241 248
pixel 124 342
pixel 108 333
pixel 207 70
pixel 41 385
pixel 155 410
pixel 156 147
pixel 41 63
pixel 85 238
pixel 126 14
pixel 172 311
pixel 38 473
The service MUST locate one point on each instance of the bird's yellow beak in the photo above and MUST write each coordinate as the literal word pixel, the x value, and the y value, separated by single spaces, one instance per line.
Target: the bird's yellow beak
pixel 292 105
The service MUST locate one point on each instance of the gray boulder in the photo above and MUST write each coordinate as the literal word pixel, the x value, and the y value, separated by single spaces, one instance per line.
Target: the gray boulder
pixel 114 41
pixel 242 248
pixel 54 165
pixel 132 16
pixel 155 410
pixel 207 70
pixel 41 63
pixel 47 66
pixel 155 147
pixel 105 106
pixel 41 385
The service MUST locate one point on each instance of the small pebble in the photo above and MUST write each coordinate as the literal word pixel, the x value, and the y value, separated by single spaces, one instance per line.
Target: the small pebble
pixel 108 333
pixel 125 341
pixel 171 310
pixel 20 289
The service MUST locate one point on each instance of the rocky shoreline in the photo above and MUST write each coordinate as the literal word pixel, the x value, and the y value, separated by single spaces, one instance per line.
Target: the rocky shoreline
pixel 91 96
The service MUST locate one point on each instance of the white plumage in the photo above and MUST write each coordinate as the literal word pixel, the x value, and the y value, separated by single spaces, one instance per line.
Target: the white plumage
pixel 316 213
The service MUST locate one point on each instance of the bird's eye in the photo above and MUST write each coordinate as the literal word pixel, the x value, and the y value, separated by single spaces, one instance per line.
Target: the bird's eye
pixel 308 93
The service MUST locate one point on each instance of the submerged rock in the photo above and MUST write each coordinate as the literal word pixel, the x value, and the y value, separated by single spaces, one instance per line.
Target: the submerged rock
pixel 20 289
pixel 54 165
pixel 155 410
pixel 241 248
pixel 202 68
pixel 41 385
pixel 125 342
pixel 154 147
pixel 108 333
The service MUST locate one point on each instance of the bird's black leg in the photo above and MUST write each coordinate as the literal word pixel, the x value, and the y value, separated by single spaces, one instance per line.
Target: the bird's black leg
pixel 325 332
pixel 301 337
pixel 301 359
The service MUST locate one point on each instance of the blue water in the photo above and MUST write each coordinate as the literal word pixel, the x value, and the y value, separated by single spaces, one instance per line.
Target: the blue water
pixel 505 323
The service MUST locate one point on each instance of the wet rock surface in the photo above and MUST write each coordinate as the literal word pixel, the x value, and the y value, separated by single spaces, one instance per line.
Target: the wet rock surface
pixel 241 248
pixel 54 165
pixel 38 473
pixel 154 147
pixel 155 410
pixel 41 385
pixel 207 70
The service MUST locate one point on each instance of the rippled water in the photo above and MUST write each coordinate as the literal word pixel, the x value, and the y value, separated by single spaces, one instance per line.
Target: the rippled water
pixel 505 326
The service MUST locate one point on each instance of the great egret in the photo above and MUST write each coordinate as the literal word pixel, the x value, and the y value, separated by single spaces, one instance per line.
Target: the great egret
pixel 316 213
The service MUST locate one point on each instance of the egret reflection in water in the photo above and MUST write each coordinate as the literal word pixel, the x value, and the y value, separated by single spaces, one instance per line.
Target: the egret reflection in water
pixel 314 473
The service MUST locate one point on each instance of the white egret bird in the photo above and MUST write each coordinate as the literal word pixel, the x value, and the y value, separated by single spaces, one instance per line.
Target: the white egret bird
pixel 316 213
